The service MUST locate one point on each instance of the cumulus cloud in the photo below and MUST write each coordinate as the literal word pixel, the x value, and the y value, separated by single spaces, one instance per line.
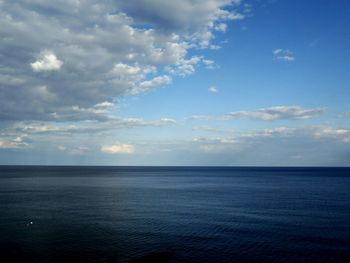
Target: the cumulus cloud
pixel 283 54
pixel 155 82
pixel 47 62
pixel 118 149
pixel 197 18
pixel 88 52
pixel 184 67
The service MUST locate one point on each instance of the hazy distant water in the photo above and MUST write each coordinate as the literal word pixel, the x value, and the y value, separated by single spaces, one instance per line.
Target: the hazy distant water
pixel 106 214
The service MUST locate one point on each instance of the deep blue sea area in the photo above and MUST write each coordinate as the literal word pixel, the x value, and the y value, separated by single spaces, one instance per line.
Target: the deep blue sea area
pixel 174 214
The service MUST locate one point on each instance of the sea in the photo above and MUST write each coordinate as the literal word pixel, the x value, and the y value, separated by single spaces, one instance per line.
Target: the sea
pixel 174 214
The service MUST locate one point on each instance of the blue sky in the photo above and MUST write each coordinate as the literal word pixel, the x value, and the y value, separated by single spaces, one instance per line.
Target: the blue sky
pixel 216 82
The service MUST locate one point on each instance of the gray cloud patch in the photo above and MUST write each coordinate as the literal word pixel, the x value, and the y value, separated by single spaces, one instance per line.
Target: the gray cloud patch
pixel 277 113
pixel 267 114
pixel 58 58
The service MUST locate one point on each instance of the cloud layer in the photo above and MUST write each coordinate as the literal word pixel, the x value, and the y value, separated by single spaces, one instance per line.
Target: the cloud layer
pixel 267 114
pixel 59 59
pixel 118 149
pixel 278 113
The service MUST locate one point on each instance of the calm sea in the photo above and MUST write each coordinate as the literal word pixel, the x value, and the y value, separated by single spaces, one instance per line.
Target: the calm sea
pixel 168 214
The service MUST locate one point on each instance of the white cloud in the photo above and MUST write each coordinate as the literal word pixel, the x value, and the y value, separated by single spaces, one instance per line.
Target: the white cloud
pixel 167 121
pixel 266 114
pixel 122 70
pixel 221 27
pixel 212 129
pixel 213 89
pixel 209 64
pixel 279 131
pixel 118 149
pixel 201 117
pixel 155 82
pixel 104 104
pixel 89 127
pixel 98 51
pixel 39 127
pixel 17 142
pixel 277 113
pixel 318 132
pixel 47 62
pixel 283 54
pixel 184 67
pixel 339 134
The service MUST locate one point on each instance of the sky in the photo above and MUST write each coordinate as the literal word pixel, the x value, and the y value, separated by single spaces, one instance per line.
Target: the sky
pixel 186 82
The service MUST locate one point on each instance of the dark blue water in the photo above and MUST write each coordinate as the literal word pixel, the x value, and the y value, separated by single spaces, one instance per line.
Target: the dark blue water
pixel 125 214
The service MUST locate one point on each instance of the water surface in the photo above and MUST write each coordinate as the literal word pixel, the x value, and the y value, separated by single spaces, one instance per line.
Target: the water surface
pixel 169 214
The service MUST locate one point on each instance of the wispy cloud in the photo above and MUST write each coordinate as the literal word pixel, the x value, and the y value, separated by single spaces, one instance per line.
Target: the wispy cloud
pixel 78 150
pixel 318 132
pixel 344 115
pixel 209 64
pixel 267 114
pixel 39 127
pixel 17 142
pixel 277 113
pixel 326 145
pixel 202 117
pixel 283 54
pixel 221 27
pixel 213 89
pixel 212 129
pixel 340 134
